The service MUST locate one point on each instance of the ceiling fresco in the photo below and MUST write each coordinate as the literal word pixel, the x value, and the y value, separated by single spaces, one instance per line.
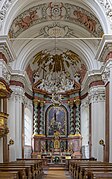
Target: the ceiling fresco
pixel 58 13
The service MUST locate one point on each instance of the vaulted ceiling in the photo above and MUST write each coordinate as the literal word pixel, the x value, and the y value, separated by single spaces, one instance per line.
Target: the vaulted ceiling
pixel 57 29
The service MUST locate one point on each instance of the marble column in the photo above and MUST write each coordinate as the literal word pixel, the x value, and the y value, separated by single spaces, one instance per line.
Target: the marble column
pixel 36 126
pixel 72 127
pixel 77 117
pixel 42 126
pixel 15 121
pixel 97 100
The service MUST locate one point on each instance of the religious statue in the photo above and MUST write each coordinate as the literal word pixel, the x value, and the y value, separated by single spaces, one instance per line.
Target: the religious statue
pixel 56 140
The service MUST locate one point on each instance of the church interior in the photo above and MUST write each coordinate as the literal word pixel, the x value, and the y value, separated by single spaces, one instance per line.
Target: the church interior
pixel 55 83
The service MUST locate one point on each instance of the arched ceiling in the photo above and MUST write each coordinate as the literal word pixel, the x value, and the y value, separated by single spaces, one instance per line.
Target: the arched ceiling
pixel 39 26
pixel 56 12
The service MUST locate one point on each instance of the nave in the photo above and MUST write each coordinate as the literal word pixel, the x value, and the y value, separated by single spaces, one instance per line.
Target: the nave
pixel 40 169
pixel 55 87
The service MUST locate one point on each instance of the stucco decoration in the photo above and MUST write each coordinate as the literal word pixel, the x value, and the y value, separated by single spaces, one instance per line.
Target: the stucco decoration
pixel 4 10
pixel 56 30
pixel 55 12
pixel 108 8
pixel 62 71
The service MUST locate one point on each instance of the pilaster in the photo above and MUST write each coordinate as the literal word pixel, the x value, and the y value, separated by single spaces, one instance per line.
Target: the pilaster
pixel 107 77
pixel 85 126
pixel 97 101
pixel 15 121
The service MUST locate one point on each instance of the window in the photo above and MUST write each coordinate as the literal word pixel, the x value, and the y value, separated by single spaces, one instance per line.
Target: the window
pixel 28 126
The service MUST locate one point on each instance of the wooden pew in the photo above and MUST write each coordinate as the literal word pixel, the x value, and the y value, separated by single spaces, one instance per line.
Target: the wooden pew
pixel 79 166
pixel 16 165
pixel 84 172
pixel 38 164
pixel 83 168
pixel 99 175
pixel 9 175
pixel 75 166
pixel 21 171
pixel 34 167
pixel 78 160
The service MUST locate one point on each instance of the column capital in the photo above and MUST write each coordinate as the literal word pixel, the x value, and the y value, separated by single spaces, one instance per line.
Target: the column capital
pixel 85 103
pixel 17 92
pixel 96 94
pixel 77 102
pixel 106 75
pixel 70 103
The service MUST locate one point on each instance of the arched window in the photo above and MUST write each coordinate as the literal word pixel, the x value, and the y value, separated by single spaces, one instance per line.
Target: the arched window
pixel 28 126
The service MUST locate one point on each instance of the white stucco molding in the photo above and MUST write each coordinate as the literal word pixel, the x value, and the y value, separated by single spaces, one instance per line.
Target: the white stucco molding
pixel 22 77
pixel 106 70
pixel 6 48
pixel 96 94
pixel 17 93
pixel 78 46
pixel 5 72
pixel 5 5
pixel 107 5
pixel 85 103
pixel 16 7
pixel 92 76
pixel 104 48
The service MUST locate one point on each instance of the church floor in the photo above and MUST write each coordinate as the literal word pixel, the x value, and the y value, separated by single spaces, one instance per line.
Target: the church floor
pixel 55 173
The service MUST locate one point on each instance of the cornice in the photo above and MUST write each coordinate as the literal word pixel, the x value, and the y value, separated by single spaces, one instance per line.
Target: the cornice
pixel 104 48
pixel 21 79
pixel 7 49
pixel 90 77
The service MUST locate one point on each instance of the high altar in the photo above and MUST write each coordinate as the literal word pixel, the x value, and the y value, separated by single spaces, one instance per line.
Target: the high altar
pixel 56 127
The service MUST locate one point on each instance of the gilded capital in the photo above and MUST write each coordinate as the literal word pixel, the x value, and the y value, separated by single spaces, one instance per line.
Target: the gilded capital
pixel 77 101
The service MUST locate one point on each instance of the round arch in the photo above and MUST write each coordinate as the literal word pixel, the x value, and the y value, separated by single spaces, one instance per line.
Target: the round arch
pixel 80 47
pixel 18 7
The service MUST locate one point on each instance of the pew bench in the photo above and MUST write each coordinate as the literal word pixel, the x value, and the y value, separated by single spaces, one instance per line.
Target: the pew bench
pixel 84 172
pixel 75 166
pixel 21 171
pixel 81 167
pixel 38 165
pixel 99 175
pixel 29 173
pixel 9 175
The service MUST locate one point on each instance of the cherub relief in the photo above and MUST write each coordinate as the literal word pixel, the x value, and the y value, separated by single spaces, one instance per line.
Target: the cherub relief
pixel 26 21
pixel 86 20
